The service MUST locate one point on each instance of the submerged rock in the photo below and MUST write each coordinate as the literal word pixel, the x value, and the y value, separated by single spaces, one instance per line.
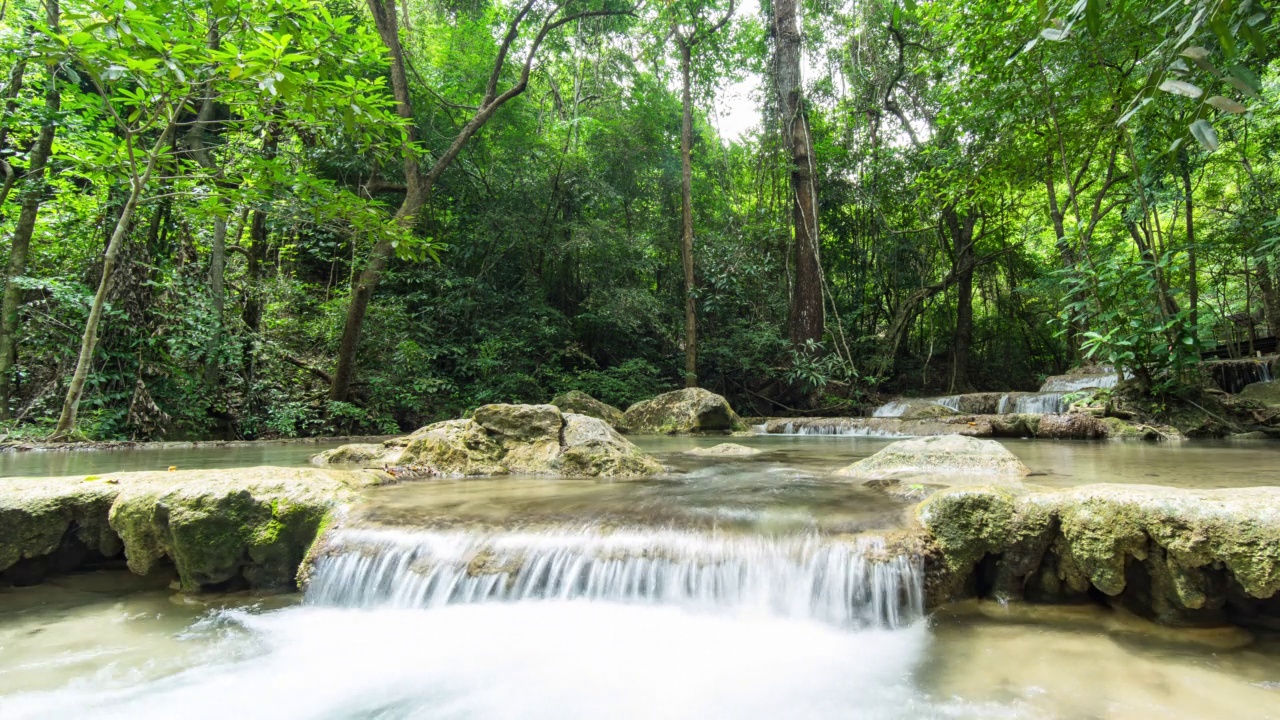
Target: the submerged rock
pixel 944 455
pixel 692 410
pixel 246 527
pixel 725 450
pixel 503 439
pixel 1178 556
pixel 580 403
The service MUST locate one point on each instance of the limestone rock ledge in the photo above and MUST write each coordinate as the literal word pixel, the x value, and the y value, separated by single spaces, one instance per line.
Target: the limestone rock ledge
pixel 221 529
pixel 504 439
pixel 1178 556
pixel 1072 426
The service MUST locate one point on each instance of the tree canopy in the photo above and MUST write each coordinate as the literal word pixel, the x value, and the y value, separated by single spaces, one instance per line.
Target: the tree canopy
pixel 250 218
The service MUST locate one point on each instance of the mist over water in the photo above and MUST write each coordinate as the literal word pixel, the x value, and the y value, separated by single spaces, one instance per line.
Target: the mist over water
pixel 529 660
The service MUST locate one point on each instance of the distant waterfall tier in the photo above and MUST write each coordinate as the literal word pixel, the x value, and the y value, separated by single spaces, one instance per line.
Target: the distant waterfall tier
pixel 1041 403
pixel 856 582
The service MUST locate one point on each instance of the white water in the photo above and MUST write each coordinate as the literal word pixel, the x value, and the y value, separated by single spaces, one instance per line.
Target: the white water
pixel 850 584
pixel 1041 403
pixel 891 409
pixel 549 660
pixel 844 427
pixel 1076 383
pixel 896 408
pixel 553 625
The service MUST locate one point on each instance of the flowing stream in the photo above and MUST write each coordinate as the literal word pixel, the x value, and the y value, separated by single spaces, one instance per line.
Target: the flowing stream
pixel 747 588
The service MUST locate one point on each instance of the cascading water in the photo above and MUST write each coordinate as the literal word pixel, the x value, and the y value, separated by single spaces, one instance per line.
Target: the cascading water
pixel 850 584
pixel 1041 403
pixel 951 402
pixel 891 409
pixel 1075 383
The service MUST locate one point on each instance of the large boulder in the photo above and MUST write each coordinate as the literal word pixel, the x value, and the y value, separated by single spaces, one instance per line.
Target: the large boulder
pixel 1267 393
pixel 692 410
pixel 244 527
pixel 1179 556
pixel 592 447
pixel 580 403
pixel 505 439
pixel 940 456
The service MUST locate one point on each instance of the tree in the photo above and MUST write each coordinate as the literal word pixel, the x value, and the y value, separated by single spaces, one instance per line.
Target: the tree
pixel 418 185
pixel 34 192
pixel 690 30
pixel 807 309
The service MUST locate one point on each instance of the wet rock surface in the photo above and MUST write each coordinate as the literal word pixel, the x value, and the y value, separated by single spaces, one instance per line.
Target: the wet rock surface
pixel 248 527
pixel 505 439
pixel 945 455
pixel 1183 557
pixel 580 403
pixel 725 450
pixel 692 410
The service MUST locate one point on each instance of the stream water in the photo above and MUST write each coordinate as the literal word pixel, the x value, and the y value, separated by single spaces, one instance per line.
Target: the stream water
pixel 735 588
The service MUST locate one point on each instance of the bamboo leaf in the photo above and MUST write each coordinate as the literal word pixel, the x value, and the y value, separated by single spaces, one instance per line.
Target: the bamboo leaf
pixel 1227 105
pixel 1178 87
pixel 1205 134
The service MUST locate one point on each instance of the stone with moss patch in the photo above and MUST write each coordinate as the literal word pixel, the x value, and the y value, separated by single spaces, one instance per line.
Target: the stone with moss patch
pixel 520 439
pixel 688 411
pixel 580 403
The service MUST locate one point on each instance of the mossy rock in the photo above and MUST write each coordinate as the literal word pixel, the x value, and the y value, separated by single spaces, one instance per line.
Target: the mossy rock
pixel 580 403
pixel 1192 547
pixel 243 527
pixel 38 514
pixel 1266 393
pixel 942 456
pixel 505 439
pixel 688 411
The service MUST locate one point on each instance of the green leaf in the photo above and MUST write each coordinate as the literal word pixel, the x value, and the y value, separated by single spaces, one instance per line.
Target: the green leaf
pixel 1093 17
pixel 1227 105
pixel 1178 87
pixel 1205 134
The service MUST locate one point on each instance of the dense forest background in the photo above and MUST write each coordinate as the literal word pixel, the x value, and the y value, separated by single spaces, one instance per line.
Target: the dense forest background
pixel 251 218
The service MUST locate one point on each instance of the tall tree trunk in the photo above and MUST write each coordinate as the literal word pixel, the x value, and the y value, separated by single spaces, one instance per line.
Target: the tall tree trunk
pixel 33 192
pixel 418 185
pixel 960 227
pixel 384 16
pixel 1270 289
pixel 11 90
pixel 137 184
pixel 806 321
pixel 1065 255
pixel 686 220
pixel 218 245
pixel 1193 281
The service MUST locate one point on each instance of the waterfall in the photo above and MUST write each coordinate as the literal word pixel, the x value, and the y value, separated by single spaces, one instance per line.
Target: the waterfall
pixel 951 401
pixel 1042 403
pixel 844 427
pixel 891 409
pixel 897 408
pixel 1233 375
pixel 1074 383
pixel 853 584
pixel 1004 406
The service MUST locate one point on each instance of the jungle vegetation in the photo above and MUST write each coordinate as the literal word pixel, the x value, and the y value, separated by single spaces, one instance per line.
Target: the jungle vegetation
pixel 253 218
